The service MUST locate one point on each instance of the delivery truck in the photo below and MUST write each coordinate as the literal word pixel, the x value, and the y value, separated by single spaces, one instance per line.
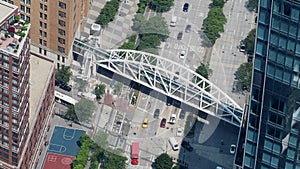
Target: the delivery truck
pixel 135 153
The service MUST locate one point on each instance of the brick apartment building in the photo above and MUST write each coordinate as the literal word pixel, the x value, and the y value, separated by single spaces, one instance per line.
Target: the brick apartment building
pixel 54 25
pixel 26 92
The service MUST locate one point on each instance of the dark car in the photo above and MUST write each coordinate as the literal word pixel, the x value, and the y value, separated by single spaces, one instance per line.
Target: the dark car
pixel 163 123
pixel 185 7
pixel 188 28
pixel 156 113
pixel 65 87
pixel 179 36
pixel 182 114
pixel 57 82
pixel 187 146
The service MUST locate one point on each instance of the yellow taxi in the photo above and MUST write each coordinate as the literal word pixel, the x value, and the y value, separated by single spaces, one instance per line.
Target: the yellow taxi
pixel 145 123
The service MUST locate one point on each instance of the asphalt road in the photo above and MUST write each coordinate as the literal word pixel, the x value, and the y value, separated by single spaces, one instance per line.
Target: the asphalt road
pixel 191 42
pixel 226 57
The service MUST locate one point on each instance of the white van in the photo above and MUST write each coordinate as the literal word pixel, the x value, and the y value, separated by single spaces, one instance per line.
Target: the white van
pixel 173 143
pixel 173 21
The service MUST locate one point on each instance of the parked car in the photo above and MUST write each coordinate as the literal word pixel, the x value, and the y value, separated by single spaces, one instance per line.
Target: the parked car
pixel 188 28
pixel 58 83
pixel 163 123
pixel 156 113
pixel 232 149
pixel 66 87
pixel 185 7
pixel 173 119
pixel 145 123
pixel 182 114
pixel 179 132
pixel 180 35
pixel 182 54
pixel 242 48
pixel 187 146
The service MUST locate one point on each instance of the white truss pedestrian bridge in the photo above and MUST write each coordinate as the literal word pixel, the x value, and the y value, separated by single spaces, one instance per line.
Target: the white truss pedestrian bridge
pixel 165 76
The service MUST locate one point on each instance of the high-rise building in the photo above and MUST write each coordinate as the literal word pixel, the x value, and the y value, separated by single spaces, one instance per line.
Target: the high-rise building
pixel 270 136
pixel 26 102
pixel 54 24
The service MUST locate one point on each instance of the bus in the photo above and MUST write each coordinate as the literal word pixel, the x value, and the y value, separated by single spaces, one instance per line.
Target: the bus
pixel 64 99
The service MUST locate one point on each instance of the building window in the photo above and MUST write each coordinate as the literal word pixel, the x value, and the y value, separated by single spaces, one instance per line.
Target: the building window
pixel 41 6
pixel 45 8
pixel 41 15
pixel 61 49
pixel 41 42
pixel 45 34
pixel 41 32
pixel 41 24
pixel 63 59
pixel 62 14
pixel 45 25
pixel 62 32
pixel 58 57
pixel 62 5
pixel 62 23
pixel 23 8
pixel 45 43
pixel 27 10
pixel 61 40
pixel 45 52
pixel 45 16
pixel 28 2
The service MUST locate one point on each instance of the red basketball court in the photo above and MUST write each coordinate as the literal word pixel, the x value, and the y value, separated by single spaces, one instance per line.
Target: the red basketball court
pixel 55 161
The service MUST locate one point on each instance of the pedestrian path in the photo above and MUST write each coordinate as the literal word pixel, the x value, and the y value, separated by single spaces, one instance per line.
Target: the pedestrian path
pixel 118 30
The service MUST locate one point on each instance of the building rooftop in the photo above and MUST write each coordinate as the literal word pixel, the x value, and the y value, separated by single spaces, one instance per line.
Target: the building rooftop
pixel 5 10
pixel 40 73
pixel 13 31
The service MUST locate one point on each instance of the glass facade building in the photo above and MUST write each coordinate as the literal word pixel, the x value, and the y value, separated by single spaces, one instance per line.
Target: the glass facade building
pixel 270 138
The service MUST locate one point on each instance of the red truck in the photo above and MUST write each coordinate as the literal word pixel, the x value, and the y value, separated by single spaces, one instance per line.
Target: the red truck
pixel 135 153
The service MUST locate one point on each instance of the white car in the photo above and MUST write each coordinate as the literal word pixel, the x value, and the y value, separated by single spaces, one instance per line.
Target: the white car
pixel 173 119
pixel 179 132
pixel 232 149
pixel 182 54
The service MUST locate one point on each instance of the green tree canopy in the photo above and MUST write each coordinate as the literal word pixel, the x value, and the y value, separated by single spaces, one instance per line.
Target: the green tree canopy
pixel 101 139
pixel 71 114
pixel 81 84
pixel 114 161
pixel 243 76
pixel 138 21
pixel 249 42
pixel 163 161
pixel 253 4
pixel 217 3
pixel 205 72
pixel 214 23
pixel 64 74
pixel 84 110
pixel 108 12
pixel 156 25
pixel 161 5
pixel 99 90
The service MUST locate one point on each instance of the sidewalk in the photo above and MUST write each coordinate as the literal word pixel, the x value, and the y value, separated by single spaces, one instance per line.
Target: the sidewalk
pixel 118 30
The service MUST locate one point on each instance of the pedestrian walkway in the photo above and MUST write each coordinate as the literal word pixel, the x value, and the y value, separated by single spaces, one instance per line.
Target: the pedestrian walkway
pixel 118 30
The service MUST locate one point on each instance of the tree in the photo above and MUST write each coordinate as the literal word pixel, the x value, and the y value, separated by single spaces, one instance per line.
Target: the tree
pixel 148 41
pixel 99 90
pixel 253 4
pixel 214 23
pixel 71 114
pixel 101 139
pixel 64 74
pixel 108 12
pixel 163 161
pixel 176 167
pixel 156 25
pixel 161 5
pixel 205 72
pixel 217 3
pixel 249 42
pixel 243 76
pixel 138 21
pixel 81 84
pixel 130 44
pixel 84 110
pixel 114 161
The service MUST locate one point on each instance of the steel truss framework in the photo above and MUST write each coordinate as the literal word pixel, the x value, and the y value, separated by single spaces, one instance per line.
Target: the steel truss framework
pixel 168 77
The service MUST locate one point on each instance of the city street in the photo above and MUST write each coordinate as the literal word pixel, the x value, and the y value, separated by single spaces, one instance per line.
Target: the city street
pixel 226 57
pixel 191 42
